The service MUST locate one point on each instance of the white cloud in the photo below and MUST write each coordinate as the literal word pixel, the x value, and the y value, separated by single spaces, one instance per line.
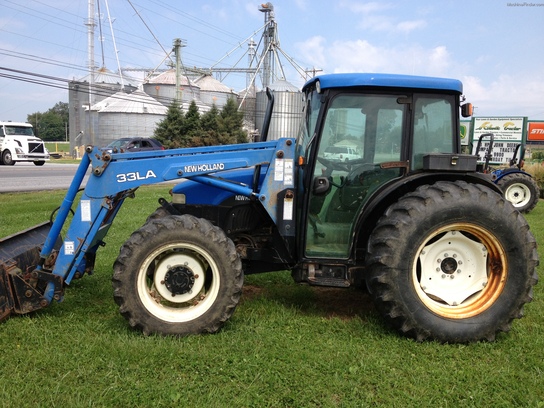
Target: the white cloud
pixel 407 26
pixel 500 95
pixel 378 17
pixel 312 51
pixel 365 8
pixel 507 95
pixel 362 56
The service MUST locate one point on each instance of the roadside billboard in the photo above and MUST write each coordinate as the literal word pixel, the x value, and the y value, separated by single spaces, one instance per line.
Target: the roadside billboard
pixel 508 133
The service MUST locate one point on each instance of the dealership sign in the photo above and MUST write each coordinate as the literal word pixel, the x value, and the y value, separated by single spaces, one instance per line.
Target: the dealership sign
pixel 464 131
pixel 535 132
pixel 508 132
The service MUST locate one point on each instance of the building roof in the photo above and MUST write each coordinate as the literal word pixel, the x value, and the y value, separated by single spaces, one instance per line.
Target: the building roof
pixel 281 85
pixel 135 102
pixel 169 78
pixel 210 84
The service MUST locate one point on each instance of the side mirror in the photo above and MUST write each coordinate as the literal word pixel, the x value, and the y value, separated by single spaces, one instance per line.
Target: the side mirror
pixel 467 110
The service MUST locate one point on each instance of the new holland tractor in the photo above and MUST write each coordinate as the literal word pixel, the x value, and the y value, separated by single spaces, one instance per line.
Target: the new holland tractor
pixel 444 255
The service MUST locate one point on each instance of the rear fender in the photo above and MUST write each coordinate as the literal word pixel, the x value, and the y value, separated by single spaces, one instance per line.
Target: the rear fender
pixel 499 174
pixel 390 193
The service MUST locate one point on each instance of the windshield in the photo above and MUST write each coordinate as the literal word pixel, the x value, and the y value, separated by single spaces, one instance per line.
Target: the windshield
pixel 118 143
pixel 19 130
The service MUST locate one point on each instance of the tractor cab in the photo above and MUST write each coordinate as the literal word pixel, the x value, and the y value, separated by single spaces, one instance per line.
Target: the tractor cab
pixel 393 124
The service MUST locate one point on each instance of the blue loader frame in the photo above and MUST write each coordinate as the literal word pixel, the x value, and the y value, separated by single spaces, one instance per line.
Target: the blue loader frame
pixel 114 177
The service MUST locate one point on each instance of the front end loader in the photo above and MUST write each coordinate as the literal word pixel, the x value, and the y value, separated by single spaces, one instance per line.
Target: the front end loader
pixel 36 264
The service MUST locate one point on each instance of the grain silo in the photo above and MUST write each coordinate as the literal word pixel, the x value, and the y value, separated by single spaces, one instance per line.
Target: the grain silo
pixel 163 88
pixel 104 84
pixel 246 103
pixel 287 112
pixel 213 91
pixel 125 115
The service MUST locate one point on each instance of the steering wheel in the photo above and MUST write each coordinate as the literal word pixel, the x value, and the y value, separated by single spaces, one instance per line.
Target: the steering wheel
pixel 334 165
pixel 349 166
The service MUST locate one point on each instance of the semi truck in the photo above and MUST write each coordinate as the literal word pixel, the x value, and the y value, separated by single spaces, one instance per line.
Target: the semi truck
pixel 19 144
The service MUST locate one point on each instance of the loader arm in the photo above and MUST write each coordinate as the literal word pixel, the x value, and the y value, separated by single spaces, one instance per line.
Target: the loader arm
pixel 114 177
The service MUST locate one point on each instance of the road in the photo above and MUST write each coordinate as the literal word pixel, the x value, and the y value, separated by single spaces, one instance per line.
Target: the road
pixel 28 177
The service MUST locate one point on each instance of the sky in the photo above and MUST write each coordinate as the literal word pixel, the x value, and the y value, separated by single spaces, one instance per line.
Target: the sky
pixel 494 47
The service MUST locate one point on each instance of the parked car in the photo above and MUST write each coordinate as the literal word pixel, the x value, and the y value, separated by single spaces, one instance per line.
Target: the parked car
pixel 134 144
pixel 343 153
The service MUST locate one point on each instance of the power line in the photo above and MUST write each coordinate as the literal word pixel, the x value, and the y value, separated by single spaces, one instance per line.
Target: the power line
pixel 62 83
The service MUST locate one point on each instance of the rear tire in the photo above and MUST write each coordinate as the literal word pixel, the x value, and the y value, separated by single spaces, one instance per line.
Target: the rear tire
pixel 177 275
pixel 521 190
pixel 454 262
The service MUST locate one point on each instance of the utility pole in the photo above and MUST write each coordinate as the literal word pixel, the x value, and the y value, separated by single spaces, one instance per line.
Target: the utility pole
pixel 177 52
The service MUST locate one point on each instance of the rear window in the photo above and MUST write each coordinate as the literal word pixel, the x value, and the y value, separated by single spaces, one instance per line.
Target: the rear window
pixel 336 149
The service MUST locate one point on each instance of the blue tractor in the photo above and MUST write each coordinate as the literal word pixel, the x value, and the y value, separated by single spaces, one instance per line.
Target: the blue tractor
pixel 518 186
pixel 407 219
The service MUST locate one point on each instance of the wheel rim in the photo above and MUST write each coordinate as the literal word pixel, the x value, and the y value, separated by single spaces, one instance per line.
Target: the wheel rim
pixel 518 194
pixel 178 282
pixel 460 271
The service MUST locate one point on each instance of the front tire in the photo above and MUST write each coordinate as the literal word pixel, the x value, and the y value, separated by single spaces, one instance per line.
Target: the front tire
pixel 521 190
pixel 454 262
pixel 7 158
pixel 177 275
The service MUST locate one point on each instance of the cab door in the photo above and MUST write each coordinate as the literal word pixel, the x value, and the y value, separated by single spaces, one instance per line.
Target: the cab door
pixel 371 126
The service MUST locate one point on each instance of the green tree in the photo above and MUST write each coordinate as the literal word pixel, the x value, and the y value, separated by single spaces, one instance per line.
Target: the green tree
pixel 193 127
pixel 52 124
pixel 208 120
pixel 170 130
pixel 208 135
pixel 230 124
pixel 190 129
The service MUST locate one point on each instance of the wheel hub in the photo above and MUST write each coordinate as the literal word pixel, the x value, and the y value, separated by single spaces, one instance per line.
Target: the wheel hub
pixel 453 268
pixel 448 266
pixel 179 277
pixel 518 194
pixel 179 280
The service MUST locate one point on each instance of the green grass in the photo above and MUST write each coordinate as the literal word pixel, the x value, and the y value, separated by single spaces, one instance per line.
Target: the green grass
pixel 285 346
pixel 58 147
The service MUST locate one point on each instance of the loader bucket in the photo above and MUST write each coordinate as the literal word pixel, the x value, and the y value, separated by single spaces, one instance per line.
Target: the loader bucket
pixel 19 256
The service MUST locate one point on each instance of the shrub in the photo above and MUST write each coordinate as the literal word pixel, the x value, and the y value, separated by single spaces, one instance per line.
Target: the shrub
pixel 537 171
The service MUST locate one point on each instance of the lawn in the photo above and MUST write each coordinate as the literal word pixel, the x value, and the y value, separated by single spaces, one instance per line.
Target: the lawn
pixel 285 346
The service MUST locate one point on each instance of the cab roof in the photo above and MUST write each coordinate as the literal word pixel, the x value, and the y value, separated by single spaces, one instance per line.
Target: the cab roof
pixel 385 80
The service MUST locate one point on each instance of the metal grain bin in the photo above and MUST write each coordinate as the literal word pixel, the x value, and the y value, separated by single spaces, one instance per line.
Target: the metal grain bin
pixel 287 112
